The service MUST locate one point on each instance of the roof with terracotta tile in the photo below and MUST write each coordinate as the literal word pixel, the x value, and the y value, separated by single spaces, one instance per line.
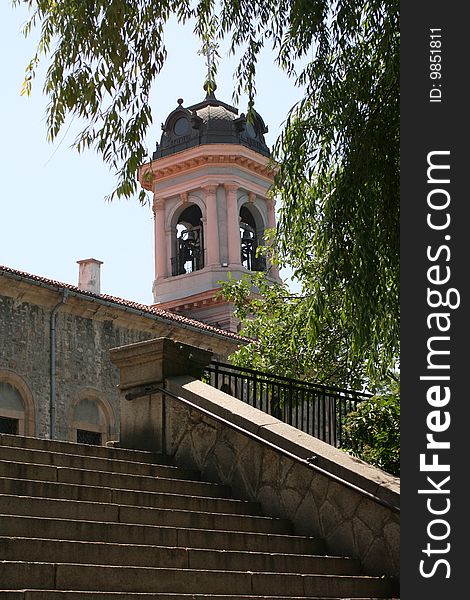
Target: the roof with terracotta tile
pixel 145 309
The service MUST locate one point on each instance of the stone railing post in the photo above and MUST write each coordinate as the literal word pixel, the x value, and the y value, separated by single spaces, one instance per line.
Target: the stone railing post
pixel 143 367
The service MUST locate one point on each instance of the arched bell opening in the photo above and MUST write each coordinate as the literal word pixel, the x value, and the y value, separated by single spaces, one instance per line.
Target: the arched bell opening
pixel 188 242
pixel 251 237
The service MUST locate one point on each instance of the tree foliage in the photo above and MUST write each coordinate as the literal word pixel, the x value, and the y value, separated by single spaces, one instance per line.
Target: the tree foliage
pixel 339 179
pixel 279 322
pixel 338 153
pixel 104 56
pixel 372 432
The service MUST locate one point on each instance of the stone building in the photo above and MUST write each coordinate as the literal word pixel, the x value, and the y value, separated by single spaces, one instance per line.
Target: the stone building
pixel 56 378
pixel 209 176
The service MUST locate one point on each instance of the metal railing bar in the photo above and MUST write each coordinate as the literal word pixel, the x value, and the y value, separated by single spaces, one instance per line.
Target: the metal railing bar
pixel 288 380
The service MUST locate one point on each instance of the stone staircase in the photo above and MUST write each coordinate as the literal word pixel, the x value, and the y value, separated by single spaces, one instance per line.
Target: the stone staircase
pixel 82 522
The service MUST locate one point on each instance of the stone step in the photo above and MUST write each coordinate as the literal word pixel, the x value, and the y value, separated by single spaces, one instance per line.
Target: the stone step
pixel 67 595
pixel 82 522
pixel 70 491
pixel 107 479
pixel 141 456
pixel 94 463
pixel 115 513
pixel 34 550
pixel 123 533
pixel 21 575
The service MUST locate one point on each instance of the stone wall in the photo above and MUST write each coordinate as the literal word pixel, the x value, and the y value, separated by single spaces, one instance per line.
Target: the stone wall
pixel 85 331
pixel 25 327
pixel 84 368
pixel 82 359
pixel 24 351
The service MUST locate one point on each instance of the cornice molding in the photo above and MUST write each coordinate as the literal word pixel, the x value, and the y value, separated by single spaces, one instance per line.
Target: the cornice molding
pixel 198 158
pixel 203 299
pixel 200 180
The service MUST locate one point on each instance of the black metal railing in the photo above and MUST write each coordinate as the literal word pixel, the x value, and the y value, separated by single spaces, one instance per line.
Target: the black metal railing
pixel 313 408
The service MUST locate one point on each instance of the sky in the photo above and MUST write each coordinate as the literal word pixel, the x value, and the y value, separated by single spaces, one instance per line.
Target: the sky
pixel 52 200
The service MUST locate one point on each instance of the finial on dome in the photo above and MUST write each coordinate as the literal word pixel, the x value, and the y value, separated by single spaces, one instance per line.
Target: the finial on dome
pixel 209 88
pixel 209 50
pixel 180 101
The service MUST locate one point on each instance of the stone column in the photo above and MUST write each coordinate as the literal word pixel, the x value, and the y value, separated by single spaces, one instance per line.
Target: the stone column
pixel 233 224
pixel 160 238
pixel 271 216
pixel 270 203
pixel 212 228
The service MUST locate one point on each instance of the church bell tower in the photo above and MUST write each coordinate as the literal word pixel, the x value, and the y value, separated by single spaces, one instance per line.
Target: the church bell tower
pixel 209 176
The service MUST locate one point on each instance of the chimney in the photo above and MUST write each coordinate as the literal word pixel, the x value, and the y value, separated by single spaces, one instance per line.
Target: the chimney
pixel 89 275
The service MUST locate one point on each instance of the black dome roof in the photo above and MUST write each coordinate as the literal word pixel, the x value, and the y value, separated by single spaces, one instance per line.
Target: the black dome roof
pixel 210 122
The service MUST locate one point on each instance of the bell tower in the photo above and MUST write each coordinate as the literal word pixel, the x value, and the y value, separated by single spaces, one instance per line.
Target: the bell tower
pixel 209 176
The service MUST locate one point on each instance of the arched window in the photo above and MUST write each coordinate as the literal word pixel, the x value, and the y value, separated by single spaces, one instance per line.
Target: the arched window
pixel 91 422
pixel 249 241
pixel 188 251
pixel 16 406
